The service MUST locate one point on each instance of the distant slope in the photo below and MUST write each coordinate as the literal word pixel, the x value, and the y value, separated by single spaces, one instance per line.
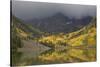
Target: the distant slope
pixel 24 30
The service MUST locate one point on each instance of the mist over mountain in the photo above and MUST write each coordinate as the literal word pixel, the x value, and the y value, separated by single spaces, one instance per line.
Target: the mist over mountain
pixel 26 10
pixel 53 17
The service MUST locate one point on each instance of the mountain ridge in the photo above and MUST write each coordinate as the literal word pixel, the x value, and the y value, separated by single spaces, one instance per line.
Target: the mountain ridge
pixel 59 23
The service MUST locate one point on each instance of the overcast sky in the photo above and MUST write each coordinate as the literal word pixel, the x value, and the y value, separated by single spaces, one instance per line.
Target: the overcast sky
pixel 28 10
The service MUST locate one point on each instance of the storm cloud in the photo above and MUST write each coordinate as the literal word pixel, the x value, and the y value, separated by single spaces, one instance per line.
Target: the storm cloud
pixel 28 10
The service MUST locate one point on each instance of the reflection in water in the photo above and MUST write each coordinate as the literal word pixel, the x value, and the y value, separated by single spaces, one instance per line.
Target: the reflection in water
pixel 61 56
pixel 70 55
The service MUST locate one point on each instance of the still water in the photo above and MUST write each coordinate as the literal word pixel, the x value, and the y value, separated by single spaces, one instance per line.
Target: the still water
pixel 55 56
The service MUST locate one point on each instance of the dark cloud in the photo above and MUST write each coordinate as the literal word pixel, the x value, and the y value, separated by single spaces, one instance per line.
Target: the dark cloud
pixel 28 10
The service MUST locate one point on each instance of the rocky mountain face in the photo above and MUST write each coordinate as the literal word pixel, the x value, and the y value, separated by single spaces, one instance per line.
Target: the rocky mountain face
pixel 59 23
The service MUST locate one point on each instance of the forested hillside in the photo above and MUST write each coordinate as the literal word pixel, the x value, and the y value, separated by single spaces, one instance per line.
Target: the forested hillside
pixel 81 37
